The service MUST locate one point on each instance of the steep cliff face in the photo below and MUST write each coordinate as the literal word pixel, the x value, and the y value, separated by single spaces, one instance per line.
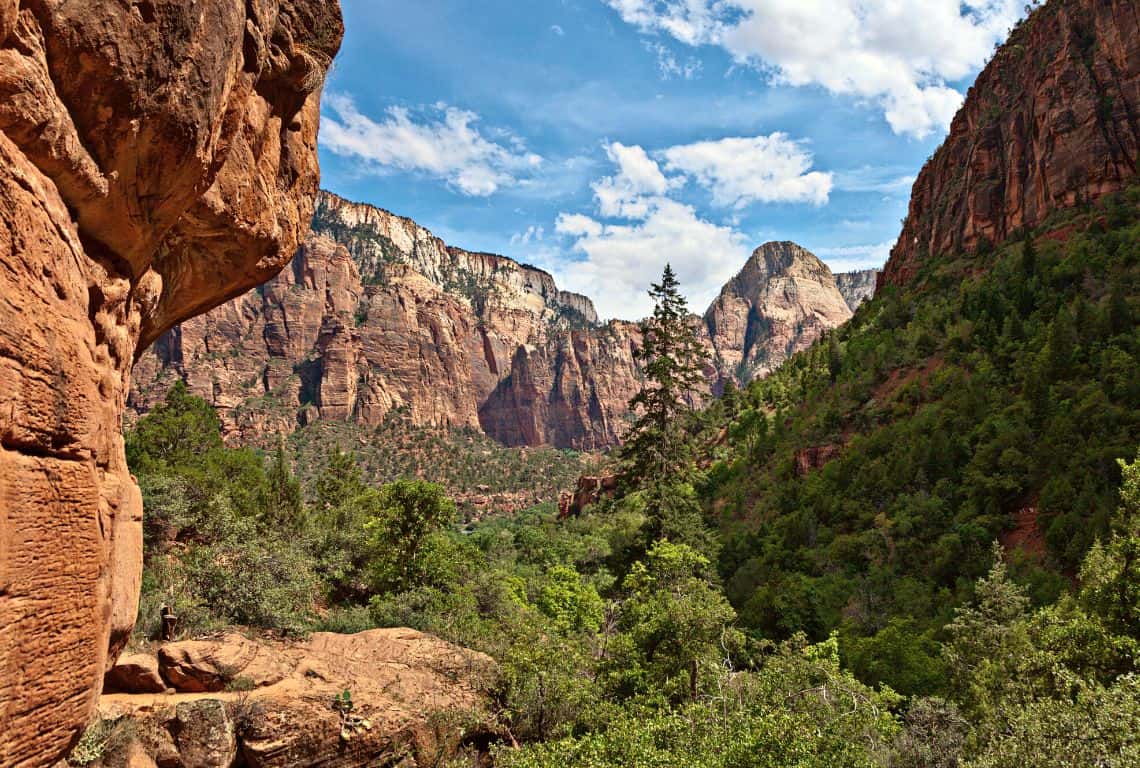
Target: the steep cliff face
pixel 152 165
pixel 779 304
pixel 857 287
pixel 378 314
pixel 1054 120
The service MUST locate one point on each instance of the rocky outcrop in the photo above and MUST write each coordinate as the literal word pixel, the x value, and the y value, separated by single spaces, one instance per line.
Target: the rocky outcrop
pixel 413 699
pixel 808 460
pixel 378 315
pixel 857 287
pixel 1053 121
pixel 779 304
pixel 156 159
pixel 590 490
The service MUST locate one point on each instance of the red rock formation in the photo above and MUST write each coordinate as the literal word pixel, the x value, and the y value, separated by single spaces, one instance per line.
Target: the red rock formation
pixel 809 460
pixel 1054 120
pixel 378 314
pixel 402 682
pixel 590 490
pixel 779 304
pixel 156 158
pixel 458 339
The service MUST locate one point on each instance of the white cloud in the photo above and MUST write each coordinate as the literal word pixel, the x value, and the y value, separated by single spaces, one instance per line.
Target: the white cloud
pixel 899 54
pixel 443 142
pixel 558 30
pixel 532 234
pixel 852 257
pixel 670 67
pixel 620 257
pixel 742 171
pixel 626 194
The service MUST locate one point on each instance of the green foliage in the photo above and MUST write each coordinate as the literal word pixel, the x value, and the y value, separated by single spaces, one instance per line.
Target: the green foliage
pixel 674 627
pixel 672 360
pixel 799 709
pixel 987 385
pixel 402 515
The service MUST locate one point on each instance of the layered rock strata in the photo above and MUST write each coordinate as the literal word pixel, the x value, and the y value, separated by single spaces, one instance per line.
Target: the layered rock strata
pixel 156 159
pixel 1053 121
pixel 858 286
pixel 377 315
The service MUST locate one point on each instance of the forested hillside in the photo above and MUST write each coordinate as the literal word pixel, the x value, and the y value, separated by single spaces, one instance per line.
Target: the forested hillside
pixel 990 399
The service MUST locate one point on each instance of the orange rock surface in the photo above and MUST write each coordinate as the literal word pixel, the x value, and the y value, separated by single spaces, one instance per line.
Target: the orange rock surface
pixel 156 159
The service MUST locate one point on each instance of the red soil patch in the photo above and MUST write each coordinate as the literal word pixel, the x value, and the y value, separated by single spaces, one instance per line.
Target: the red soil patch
pixel 1026 534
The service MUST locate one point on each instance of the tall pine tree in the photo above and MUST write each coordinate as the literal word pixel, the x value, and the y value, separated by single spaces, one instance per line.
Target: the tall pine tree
pixel 657 447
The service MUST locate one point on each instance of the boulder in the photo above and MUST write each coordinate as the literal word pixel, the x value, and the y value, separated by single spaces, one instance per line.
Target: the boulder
pixel 201 666
pixel 414 698
pixel 136 673
pixel 205 734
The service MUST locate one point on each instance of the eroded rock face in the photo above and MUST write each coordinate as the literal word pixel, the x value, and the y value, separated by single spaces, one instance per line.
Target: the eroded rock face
pixel 1054 120
pixel 156 159
pixel 857 287
pixel 378 314
pixel 779 304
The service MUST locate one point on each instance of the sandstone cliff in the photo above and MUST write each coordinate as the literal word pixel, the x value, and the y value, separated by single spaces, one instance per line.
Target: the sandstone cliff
pixel 857 287
pixel 779 304
pixel 378 315
pixel 156 159
pixel 1054 120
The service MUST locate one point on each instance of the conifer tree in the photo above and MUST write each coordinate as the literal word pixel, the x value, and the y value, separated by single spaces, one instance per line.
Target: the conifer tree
pixel 657 446
pixel 281 504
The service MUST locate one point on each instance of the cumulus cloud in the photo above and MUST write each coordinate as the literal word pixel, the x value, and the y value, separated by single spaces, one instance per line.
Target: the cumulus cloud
pixel 638 227
pixel 443 142
pixel 742 171
pixel 900 55
pixel 620 258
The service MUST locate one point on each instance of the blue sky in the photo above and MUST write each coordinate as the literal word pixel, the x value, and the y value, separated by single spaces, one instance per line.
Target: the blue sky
pixel 599 139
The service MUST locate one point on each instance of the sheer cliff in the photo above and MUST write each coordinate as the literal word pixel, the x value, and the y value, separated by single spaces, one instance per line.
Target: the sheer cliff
pixel 1052 122
pixel 156 159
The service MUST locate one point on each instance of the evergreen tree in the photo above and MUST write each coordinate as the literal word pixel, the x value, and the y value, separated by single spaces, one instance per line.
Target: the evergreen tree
pixel 657 446
pixel 281 503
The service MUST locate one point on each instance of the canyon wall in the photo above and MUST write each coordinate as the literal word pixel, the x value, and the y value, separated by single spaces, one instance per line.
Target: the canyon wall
pixel 1053 121
pixel 156 159
pixel 377 315
pixel 857 287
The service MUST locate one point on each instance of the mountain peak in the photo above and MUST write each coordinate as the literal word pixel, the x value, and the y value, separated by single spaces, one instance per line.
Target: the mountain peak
pixel 780 303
